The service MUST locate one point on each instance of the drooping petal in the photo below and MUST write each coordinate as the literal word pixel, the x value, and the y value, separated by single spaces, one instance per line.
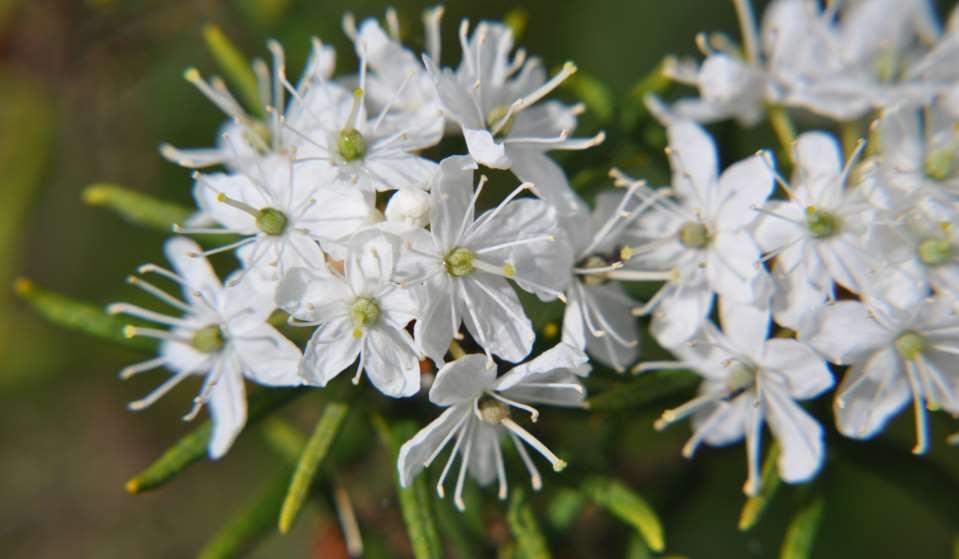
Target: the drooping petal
pixel 482 462
pixel 559 357
pixel 485 149
pixel 227 409
pixel 800 437
pixel 414 452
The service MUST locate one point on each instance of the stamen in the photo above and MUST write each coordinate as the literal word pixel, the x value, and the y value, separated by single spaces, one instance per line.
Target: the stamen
pixel 537 239
pixel 535 480
pixel 141 367
pixel 431 21
pixel 453 432
pixel 159 391
pixel 568 70
pixel 685 410
pixel 461 478
pixel 131 331
pixel 158 293
pixel 919 409
pixel 558 464
pixel 500 470
pixel 139 312
pixel 533 412
pixel 240 205
pixel 644 366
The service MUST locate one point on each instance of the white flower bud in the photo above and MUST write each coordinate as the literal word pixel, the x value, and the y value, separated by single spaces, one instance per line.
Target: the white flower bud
pixel 409 206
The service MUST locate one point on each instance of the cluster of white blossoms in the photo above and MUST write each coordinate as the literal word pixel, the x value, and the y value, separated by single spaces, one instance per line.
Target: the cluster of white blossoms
pixel 341 222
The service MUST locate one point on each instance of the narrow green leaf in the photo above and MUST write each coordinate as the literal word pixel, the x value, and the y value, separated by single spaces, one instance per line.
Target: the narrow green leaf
pixel 135 207
pixel 801 535
pixel 647 389
pixel 522 523
pixel 638 549
pixel 627 506
pixel 236 68
pixel 192 447
pixel 78 316
pixel 416 502
pixel 955 548
pixel 593 93
pixel 251 524
pixel 451 525
pixel 313 455
pixel 755 506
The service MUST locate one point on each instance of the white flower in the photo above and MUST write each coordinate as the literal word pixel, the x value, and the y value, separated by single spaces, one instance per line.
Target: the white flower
pixel 373 153
pixel 409 206
pixel 496 102
pixel 396 76
pixel 248 136
pixel 920 156
pixel 478 414
pixel 360 313
pixel 282 209
pixel 598 314
pixel 818 235
pixel 750 380
pixel 896 353
pixel 222 335
pixel 699 243
pixel 466 262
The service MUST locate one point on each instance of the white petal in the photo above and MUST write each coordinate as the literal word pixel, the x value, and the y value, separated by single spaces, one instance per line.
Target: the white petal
pixel 732 271
pixel 414 452
pixel 371 260
pixel 494 316
pixel 551 183
pixel 679 315
pixel 227 410
pixel 559 357
pixel 818 159
pixel 400 170
pixel 743 186
pixel 195 270
pixel 434 331
pixel 482 463
pixel 462 380
pixel 391 366
pixel 800 437
pixel 746 326
pixel 451 195
pixel 268 356
pixel 695 161
pixel 846 333
pixel 181 357
pixel 486 150
pixel 870 394
pixel 332 349
pixel 805 372
pixel 238 187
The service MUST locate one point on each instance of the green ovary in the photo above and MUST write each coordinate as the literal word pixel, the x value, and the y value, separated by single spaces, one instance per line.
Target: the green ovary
pixel 271 221
pixel 820 223
pixel 460 262
pixel 364 312
pixel 208 339
pixel 694 235
pixel 350 144
pixel 935 251
pixel 909 345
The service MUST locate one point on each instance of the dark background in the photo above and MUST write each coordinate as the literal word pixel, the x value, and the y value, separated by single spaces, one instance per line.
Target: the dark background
pixel 89 88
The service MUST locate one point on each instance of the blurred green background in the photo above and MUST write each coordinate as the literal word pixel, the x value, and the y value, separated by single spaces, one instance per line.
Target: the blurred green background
pixel 89 88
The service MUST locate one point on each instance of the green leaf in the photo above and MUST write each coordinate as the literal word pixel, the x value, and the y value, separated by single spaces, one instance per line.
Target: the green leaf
pixel 317 448
pixel 648 389
pixel 451 525
pixel 135 207
pixel 284 438
pixel 522 523
pixel 251 524
pixel 416 502
pixel 516 19
pixel 78 316
pixel 564 507
pixel 236 68
pixel 593 93
pixel 627 506
pixel 638 549
pixel 755 506
pixel 193 446
pixel 801 535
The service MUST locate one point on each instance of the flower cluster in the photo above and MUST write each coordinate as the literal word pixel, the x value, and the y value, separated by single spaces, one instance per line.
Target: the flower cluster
pixel 341 224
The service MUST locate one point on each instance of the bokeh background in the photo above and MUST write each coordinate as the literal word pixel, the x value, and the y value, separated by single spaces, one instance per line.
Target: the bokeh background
pixel 89 88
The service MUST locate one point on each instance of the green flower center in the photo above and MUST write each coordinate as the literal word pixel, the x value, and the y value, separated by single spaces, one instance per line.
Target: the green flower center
pixel 208 339
pixel 364 312
pixel 935 251
pixel 740 379
pixel 350 144
pixel 820 223
pixel 694 234
pixel 595 261
pixel 271 221
pixel 495 115
pixel 909 345
pixel 939 163
pixel 492 411
pixel 460 262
